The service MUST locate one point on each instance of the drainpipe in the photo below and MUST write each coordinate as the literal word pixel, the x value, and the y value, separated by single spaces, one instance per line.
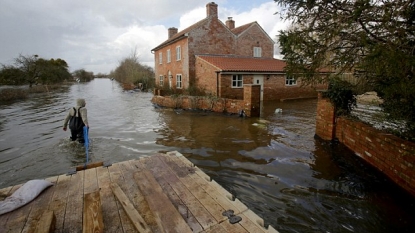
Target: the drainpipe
pixel 217 83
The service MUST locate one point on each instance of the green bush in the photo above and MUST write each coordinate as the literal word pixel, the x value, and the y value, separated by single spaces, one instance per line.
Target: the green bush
pixel 341 95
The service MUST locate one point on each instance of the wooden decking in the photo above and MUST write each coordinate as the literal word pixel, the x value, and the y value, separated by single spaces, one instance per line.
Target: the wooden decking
pixel 159 193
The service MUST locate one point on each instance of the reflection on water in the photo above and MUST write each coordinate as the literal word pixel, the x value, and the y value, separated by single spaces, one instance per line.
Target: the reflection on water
pixel 273 163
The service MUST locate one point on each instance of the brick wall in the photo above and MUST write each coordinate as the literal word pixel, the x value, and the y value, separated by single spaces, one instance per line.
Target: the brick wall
pixel 254 37
pixel 251 103
pixel 200 102
pixel 393 156
pixel 276 89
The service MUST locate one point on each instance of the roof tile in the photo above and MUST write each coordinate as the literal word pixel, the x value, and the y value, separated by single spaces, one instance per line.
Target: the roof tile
pixel 247 64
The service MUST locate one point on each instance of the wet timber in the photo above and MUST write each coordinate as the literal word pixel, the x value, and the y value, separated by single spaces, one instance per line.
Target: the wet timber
pixel 158 193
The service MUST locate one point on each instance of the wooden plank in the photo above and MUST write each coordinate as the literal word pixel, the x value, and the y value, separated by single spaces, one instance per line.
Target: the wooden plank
pixel 90 180
pixel 174 198
pixel 89 166
pixel 46 223
pixel 182 172
pixel 217 229
pixel 258 221
pixel 136 197
pixel 239 206
pixel 92 220
pixel 159 203
pixel 160 170
pixel 58 202
pixel 135 218
pixel 110 213
pixel 5 217
pixel 250 224
pixel 229 227
pixel 208 187
pixel 117 177
pixel 74 207
pixel 40 207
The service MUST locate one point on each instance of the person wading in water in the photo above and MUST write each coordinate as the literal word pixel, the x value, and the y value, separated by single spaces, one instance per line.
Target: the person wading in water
pixel 77 118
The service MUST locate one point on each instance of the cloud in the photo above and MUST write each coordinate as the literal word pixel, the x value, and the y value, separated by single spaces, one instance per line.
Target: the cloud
pixel 95 35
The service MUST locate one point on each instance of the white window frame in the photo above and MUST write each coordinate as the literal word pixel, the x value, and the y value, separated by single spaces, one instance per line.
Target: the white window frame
pixel 179 81
pixel 161 80
pixel 168 56
pixel 237 81
pixel 257 52
pixel 178 53
pixel 290 81
pixel 160 57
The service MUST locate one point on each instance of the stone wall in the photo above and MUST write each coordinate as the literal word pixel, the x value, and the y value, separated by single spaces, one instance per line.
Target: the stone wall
pixel 393 156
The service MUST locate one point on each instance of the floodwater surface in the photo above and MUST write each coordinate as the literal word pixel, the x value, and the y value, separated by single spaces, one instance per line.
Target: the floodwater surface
pixel 273 164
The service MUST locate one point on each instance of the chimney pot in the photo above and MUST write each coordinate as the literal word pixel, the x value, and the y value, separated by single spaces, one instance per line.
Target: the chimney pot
pixel 212 9
pixel 230 23
pixel 172 31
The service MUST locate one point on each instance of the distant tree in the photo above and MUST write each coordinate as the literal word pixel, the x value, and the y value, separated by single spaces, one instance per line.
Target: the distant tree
pixel 10 75
pixel 375 39
pixel 83 75
pixel 33 70
pixel 131 71
pixel 52 71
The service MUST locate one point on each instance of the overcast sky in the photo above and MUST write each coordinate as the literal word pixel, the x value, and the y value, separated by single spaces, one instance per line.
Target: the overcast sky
pixel 96 35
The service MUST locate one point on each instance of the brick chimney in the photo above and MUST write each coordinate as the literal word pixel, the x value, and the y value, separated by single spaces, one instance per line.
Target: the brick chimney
pixel 172 32
pixel 230 23
pixel 212 9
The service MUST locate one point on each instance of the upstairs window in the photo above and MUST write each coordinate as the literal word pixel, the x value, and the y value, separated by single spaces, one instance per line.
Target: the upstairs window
pixel 257 52
pixel 168 56
pixel 237 81
pixel 290 81
pixel 178 53
pixel 179 81
pixel 160 58
pixel 161 80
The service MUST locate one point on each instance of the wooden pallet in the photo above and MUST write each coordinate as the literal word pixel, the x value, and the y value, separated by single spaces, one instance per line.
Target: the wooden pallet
pixel 159 193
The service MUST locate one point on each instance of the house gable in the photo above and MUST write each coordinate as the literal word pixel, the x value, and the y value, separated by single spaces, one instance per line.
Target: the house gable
pixel 253 35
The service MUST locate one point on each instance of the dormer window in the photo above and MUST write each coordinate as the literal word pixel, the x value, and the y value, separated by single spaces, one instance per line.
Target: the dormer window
pixel 257 52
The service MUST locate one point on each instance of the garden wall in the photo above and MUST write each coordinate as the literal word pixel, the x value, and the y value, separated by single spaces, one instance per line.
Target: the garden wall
pixel 392 155
pixel 250 104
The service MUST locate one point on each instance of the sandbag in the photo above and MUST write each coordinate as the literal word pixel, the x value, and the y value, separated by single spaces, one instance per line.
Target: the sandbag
pixel 25 194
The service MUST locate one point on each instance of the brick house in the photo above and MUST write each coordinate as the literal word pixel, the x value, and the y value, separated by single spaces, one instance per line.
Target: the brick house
pixel 220 58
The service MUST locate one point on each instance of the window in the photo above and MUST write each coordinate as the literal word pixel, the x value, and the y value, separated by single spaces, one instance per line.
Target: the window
pixel 290 81
pixel 161 80
pixel 237 80
pixel 178 53
pixel 168 56
pixel 160 58
pixel 178 81
pixel 257 52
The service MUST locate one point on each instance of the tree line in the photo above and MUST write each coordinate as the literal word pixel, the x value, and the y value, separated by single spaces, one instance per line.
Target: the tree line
pixel 33 70
pixel 131 71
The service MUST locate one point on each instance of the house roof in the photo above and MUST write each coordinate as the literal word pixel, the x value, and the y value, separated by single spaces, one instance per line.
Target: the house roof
pixel 242 28
pixel 244 64
pixel 181 34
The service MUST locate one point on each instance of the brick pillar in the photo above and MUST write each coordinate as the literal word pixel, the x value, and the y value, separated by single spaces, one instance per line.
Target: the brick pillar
pixel 252 100
pixel 325 119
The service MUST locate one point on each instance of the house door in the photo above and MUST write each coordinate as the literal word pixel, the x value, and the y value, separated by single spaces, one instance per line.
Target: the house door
pixel 259 80
pixel 170 79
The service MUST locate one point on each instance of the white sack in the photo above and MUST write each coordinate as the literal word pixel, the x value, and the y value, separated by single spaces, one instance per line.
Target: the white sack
pixel 29 191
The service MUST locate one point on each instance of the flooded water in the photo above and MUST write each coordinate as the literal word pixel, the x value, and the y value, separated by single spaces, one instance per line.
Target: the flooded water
pixel 273 164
